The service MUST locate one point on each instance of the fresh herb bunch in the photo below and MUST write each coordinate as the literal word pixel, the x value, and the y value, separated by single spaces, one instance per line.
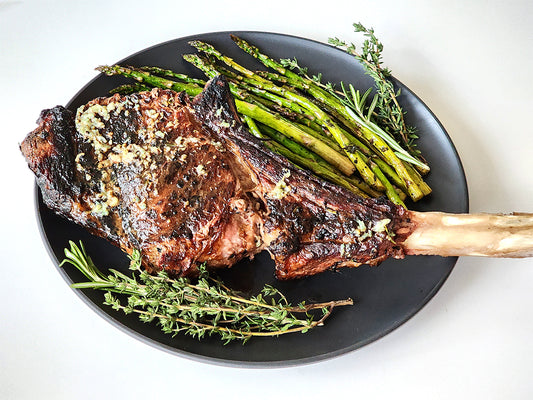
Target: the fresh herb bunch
pixel 200 308
pixel 388 112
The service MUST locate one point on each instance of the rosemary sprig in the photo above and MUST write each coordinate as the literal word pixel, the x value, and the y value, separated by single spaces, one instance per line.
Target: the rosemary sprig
pixel 201 308
pixel 388 112
pixel 356 106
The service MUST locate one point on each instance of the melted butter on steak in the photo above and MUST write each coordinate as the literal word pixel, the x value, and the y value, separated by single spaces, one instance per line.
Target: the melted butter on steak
pixel 182 181
pixel 168 178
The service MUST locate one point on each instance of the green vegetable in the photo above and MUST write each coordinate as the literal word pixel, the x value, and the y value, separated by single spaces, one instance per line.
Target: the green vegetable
pixel 199 308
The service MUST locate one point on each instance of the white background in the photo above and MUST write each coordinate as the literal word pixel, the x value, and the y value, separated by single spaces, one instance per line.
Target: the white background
pixel 470 62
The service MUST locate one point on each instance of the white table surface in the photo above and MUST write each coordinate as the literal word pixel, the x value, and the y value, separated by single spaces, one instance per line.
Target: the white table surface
pixel 470 62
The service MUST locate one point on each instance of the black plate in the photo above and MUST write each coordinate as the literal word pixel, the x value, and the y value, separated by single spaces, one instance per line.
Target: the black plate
pixel 386 296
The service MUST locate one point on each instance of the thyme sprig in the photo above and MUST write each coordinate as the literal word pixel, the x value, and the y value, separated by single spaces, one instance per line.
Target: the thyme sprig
pixel 200 308
pixel 388 112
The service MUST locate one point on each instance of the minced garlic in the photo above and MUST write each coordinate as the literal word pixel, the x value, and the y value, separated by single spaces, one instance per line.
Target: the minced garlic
pixel 381 225
pixel 200 170
pixel 281 189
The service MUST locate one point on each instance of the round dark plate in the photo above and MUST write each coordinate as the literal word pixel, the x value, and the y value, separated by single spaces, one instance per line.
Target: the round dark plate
pixel 385 296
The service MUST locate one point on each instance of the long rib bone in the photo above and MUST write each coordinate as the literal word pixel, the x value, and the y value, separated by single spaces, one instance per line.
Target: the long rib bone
pixel 490 235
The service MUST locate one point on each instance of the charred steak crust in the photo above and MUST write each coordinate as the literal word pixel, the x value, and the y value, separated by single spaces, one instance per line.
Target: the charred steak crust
pixel 55 127
pixel 184 182
pixel 316 225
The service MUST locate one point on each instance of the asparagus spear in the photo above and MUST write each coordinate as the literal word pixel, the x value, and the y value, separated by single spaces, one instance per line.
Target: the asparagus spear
pixel 426 189
pixel 130 88
pixel 167 73
pixel 145 77
pixel 389 189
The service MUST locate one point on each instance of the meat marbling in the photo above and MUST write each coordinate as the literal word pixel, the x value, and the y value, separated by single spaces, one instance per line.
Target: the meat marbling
pixel 185 183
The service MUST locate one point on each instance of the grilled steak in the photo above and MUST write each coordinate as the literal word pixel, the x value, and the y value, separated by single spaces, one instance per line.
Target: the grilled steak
pixel 185 183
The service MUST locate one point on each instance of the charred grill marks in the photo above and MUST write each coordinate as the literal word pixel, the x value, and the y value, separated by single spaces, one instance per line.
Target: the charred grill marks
pixel 185 183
